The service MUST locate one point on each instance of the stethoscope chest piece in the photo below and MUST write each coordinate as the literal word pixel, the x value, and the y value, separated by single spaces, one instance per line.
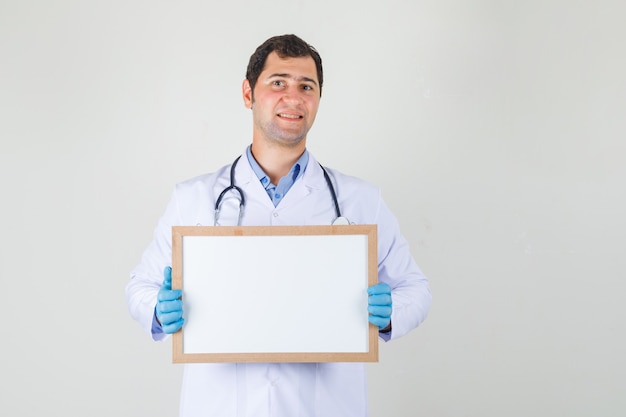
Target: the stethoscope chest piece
pixel 341 221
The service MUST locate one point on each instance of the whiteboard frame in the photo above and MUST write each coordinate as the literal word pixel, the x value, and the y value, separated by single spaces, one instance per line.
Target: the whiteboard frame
pixel 302 354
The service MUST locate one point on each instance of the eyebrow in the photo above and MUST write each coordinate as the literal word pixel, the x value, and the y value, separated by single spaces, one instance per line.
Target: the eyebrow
pixel 306 79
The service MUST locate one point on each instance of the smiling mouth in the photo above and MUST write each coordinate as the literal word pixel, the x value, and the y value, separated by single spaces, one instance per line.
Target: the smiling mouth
pixel 290 116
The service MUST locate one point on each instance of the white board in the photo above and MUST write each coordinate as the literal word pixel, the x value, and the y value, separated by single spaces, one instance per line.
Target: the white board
pixel 274 294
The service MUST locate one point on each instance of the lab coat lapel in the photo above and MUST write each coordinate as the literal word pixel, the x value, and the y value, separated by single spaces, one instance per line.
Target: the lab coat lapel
pixel 308 195
pixel 307 187
pixel 249 183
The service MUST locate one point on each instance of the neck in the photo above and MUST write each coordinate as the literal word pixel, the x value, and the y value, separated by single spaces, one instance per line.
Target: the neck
pixel 276 161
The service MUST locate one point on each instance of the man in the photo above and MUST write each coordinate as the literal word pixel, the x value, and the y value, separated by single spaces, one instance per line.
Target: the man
pixel 282 184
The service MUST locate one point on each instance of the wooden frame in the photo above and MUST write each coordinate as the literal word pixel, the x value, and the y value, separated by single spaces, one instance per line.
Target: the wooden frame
pixel 304 301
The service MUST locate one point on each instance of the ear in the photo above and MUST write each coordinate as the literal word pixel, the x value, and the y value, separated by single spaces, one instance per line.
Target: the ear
pixel 246 91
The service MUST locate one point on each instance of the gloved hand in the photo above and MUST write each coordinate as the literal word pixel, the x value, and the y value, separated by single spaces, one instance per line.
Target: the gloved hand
pixel 169 307
pixel 379 301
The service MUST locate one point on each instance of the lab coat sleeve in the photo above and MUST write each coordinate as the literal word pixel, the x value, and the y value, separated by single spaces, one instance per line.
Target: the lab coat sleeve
pixel 410 292
pixel 147 276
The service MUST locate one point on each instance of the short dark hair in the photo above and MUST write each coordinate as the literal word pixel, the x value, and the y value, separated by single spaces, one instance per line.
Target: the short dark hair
pixel 286 46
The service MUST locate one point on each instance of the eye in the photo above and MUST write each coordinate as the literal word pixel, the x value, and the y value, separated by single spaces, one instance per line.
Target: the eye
pixel 278 83
pixel 307 87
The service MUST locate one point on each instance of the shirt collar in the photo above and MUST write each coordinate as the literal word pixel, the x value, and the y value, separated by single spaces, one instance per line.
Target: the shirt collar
pixel 296 170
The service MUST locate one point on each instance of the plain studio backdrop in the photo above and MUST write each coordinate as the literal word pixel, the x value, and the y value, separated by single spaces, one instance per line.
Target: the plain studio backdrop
pixel 496 130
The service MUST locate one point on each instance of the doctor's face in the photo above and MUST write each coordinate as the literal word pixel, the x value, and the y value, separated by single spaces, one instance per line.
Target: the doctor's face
pixel 284 101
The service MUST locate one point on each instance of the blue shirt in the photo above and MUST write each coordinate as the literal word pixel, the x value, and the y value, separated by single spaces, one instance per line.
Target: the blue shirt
pixel 277 192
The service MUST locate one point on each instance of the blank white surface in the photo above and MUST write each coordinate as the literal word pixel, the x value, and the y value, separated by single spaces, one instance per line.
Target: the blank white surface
pixel 272 294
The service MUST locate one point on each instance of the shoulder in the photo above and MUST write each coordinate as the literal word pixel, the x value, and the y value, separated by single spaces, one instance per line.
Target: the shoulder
pixel 359 200
pixel 351 185
pixel 193 200
pixel 202 181
pixel 339 178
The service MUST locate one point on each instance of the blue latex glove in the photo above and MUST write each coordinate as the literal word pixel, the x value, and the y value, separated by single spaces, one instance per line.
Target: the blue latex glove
pixel 379 301
pixel 169 307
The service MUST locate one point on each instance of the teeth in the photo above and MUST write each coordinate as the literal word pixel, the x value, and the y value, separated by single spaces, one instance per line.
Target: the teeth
pixel 289 116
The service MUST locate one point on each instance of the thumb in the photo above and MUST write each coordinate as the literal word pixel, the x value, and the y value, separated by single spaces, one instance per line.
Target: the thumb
pixel 380 288
pixel 167 278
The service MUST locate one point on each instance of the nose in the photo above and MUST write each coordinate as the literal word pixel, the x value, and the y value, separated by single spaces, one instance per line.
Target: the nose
pixel 292 95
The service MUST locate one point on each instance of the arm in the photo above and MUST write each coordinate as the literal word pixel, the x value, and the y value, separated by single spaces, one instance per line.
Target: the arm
pixel 147 277
pixel 410 291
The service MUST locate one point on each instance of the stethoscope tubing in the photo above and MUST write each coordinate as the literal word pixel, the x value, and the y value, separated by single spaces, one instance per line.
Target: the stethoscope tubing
pixel 332 191
pixel 232 186
pixel 242 198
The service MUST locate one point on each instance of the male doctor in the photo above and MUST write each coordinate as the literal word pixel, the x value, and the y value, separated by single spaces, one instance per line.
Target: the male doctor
pixel 283 184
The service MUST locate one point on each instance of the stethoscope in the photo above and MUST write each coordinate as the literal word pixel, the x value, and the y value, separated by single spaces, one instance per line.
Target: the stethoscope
pixel 339 220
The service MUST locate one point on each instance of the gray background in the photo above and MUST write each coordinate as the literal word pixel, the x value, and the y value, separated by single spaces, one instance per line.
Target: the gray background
pixel 495 128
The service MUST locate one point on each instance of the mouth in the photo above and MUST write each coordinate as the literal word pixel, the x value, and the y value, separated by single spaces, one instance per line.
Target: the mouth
pixel 290 116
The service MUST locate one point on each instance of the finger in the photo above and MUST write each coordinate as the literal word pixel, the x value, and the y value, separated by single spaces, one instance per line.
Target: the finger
pixel 380 311
pixel 169 306
pixel 379 300
pixel 380 288
pixel 170 318
pixel 169 295
pixel 167 278
pixel 173 327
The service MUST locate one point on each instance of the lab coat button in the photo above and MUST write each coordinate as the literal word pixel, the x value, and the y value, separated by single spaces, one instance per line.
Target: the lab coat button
pixel 275 214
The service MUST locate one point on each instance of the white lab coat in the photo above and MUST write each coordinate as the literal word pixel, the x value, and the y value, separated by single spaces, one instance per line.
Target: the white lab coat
pixel 280 389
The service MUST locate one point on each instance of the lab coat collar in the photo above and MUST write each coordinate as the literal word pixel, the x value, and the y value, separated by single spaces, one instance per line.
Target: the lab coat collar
pixel 312 180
